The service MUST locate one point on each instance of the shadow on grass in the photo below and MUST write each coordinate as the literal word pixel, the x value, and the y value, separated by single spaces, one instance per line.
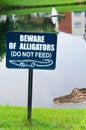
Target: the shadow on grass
pixel 43 125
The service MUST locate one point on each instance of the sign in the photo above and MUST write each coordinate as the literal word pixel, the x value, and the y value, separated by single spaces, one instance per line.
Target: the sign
pixel 31 50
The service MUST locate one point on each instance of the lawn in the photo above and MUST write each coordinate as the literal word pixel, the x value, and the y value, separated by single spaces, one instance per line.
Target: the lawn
pixel 15 118
pixel 37 2
pixel 11 6
pixel 46 10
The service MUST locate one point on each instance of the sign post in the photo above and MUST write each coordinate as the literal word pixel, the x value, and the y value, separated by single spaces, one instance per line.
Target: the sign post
pixel 31 51
pixel 30 84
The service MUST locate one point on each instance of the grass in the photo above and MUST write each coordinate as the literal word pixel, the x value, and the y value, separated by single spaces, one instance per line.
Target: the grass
pixel 37 2
pixel 15 118
pixel 61 8
pixel 46 10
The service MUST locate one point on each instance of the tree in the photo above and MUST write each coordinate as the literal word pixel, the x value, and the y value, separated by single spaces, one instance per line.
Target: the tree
pixel 8 25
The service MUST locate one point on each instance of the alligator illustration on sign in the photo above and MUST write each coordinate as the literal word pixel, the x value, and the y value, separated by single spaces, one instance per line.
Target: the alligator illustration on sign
pixel 76 96
pixel 32 63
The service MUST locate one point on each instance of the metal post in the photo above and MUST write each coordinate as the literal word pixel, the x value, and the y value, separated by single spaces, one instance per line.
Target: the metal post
pixel 30 84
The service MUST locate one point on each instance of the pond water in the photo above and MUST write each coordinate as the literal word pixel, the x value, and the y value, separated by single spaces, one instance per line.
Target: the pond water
pixel 70 71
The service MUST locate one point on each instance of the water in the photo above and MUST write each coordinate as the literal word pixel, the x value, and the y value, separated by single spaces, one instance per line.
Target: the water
pixel 70 69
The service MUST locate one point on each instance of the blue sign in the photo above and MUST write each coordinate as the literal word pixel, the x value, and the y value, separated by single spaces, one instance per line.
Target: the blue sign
pixel 31 50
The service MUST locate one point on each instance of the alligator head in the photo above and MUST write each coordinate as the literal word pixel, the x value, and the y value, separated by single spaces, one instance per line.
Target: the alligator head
pixel 76 96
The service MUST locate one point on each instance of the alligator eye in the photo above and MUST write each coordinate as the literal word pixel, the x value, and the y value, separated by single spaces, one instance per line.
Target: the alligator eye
pixel 33 64
pixel 79 95
pixel 22 64
pixel 75 90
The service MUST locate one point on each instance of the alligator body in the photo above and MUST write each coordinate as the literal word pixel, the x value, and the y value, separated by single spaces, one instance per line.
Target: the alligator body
pixel 76 96
pixel 32 63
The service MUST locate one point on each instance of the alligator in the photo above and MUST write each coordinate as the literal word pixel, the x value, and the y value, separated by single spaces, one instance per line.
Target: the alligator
pixel 76 96
pixel 32 63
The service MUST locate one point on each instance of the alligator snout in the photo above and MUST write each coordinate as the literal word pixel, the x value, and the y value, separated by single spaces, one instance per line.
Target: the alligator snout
pixel 76 96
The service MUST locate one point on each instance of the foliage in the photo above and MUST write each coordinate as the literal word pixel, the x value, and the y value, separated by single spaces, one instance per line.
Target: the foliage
pixel 15 118
pixel 35 24
pixel 8 25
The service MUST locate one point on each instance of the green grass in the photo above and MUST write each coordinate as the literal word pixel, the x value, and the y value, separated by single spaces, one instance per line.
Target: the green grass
pixel 60 8
pixel 15 118
pixel 46 10
pixel 36 2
